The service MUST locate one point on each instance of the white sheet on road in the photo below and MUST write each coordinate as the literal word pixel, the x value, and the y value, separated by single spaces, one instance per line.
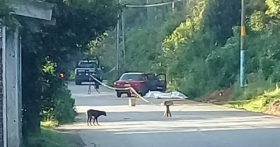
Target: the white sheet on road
pixel 161 95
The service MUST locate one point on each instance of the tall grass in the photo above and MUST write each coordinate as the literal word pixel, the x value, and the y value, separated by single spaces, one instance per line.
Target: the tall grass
pixel 258 103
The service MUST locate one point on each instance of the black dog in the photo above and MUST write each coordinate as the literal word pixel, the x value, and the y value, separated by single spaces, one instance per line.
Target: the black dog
pixel 95 114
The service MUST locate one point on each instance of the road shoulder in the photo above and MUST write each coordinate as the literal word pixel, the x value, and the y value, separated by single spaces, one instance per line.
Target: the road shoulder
pixel 74 138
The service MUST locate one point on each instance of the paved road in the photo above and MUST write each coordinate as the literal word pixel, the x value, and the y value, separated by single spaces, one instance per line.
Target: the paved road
pixel 192 125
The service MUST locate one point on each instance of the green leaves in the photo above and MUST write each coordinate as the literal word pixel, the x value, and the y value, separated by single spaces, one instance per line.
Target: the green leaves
pixel 6 17
pixel 201 52
pixel 273 8
pixel 78 22
pixel 45 51
pixel 5 10
pixel 257 21
pixel 49 67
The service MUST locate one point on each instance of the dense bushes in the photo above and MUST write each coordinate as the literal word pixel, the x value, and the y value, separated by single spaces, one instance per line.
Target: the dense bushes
pixel 201 54
pixel 45 96
pixel 54 101
pixel 267 101
pixel 57 102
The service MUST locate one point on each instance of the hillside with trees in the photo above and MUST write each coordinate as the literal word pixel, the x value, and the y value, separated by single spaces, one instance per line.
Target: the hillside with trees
pixel 197 45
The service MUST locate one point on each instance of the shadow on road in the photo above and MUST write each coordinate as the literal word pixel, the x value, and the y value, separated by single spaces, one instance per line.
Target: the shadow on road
pixel 192 124
pixel 210 128
pixel 176 115
pixel 183 119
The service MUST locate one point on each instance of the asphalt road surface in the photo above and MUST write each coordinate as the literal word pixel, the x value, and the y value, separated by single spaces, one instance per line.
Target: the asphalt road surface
pixel 192 125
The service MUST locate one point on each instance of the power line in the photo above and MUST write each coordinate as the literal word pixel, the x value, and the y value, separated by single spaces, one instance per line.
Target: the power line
pixel 152 5
pixel 121 25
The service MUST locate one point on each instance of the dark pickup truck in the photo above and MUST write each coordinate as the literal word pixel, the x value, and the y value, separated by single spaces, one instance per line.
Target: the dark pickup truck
pixel 141 82
pixel 85 68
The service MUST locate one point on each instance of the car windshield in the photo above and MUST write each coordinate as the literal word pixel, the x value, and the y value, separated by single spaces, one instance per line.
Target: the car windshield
pixel 87 64
pixel 131 77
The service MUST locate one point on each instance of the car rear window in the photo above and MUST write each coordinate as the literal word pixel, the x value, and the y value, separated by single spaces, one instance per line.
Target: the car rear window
pixel 136 77
pixel 87 65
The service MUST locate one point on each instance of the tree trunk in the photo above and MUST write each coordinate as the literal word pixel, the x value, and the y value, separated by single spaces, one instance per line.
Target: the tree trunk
pixel 31 123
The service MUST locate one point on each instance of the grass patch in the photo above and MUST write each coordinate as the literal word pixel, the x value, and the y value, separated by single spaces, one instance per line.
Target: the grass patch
pixel 50 124
pixel 259 103
pixel 50 137
pixel 252 90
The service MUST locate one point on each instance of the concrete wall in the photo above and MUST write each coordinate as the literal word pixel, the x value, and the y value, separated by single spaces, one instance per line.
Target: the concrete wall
pixel 13 88
pixel 10 73
pixel 10 89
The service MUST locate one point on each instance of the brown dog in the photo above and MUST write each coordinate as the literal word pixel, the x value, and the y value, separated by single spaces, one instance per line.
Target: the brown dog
pixel 167 104
pixel 95 114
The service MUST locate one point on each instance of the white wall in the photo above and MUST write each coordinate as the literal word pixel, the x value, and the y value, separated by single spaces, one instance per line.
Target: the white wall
pixel 13 89
pixel 4 86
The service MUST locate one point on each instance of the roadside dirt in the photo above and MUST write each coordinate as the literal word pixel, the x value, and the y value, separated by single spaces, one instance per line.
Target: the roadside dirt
pixel 217 97
pixel 220 97
pixel 274 109
pixel 76 140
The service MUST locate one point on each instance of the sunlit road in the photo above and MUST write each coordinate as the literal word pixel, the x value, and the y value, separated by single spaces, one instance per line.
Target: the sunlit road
pixel 192 124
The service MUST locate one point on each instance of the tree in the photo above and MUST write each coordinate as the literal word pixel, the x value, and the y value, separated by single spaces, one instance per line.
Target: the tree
pixel 201 53
pixel 78 22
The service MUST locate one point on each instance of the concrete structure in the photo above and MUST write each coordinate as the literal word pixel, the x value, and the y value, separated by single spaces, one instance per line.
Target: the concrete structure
pixel 11 88
pixel 10 72
pixel 2 43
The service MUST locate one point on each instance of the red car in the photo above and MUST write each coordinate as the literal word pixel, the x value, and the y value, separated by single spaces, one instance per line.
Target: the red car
pixel 142 83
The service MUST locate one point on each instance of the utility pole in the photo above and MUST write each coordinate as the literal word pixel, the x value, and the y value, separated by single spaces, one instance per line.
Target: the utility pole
pixel 123 38
pixel 173 5
pixel 117 47
pixel 148 13
pixel 184 9
pixel 163 11
pixel 242 50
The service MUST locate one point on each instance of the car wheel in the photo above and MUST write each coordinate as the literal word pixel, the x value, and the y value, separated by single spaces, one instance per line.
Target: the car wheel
pixel 78 83
pixel 145 91
pixel 119 94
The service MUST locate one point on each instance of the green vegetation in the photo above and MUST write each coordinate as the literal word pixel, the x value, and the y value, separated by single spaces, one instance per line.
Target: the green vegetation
pixel 5 14
pixel 260 103
pixel 46 98
pixel 49 138
pixel 197 45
